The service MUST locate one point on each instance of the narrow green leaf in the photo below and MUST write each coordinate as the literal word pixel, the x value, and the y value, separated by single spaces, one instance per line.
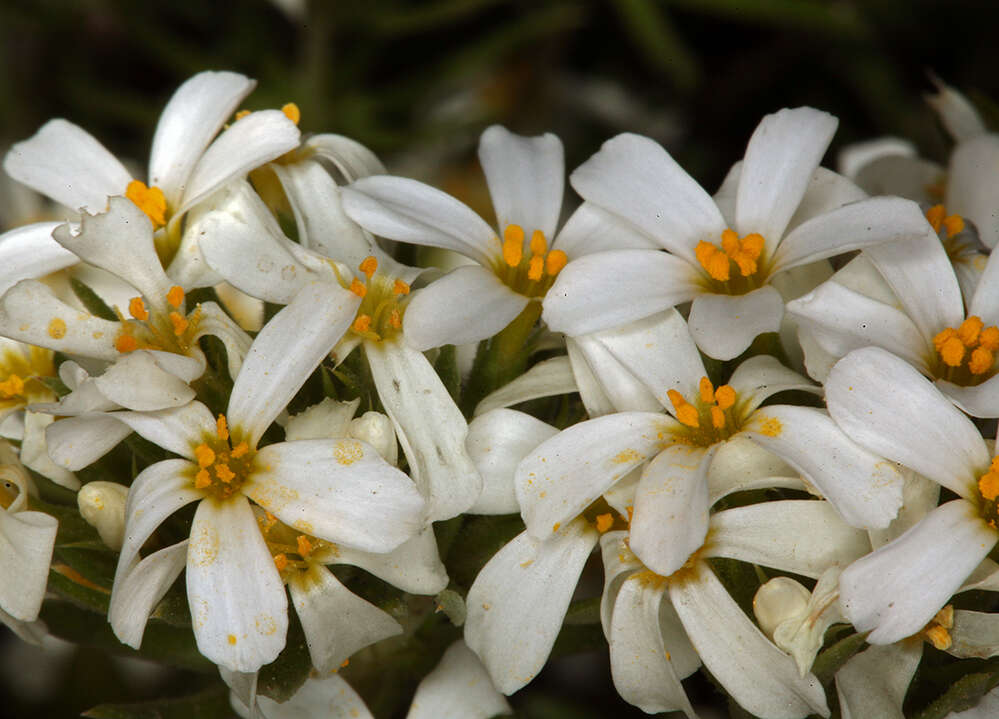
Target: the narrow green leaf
pixel 91 301
pixel 209 704
pixel 829 661
pixel 585 611
pixel 963 694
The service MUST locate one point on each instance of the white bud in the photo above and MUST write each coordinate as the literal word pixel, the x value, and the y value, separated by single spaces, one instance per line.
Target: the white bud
pixel 376 429
pixel 777 601
pixel 328 419
pixel 102 505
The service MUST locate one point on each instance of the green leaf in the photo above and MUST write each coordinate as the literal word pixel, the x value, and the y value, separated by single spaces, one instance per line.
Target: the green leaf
pixel 653 33
pixel 963 694
pixel 280 679
pixel 829 661
pixel 479 539
pixel 446 366
pixel 209 704
pixel 73 529
pixel 585 611
pixel 91 301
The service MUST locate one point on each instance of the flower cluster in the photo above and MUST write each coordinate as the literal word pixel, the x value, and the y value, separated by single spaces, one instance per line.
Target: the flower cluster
pixel 792 376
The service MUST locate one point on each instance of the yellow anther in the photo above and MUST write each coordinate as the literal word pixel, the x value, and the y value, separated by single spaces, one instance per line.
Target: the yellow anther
pixel 753 244
pixel 137 308
pixel 304 545
pixel 707 390
pixel 535 268
pixel 939 637
pixel 717 418
pixel 175 296
pixel 945 617
pixel 969 329
pixel 981 361
pixel 538 244
pixel 513 245
pixel 239 450
pixel 126 343
pixel 241 114
pixel 704 251
pixel 685 412
pixel 395 319
pixel 935 216
pixel 150 200
pixel 604 522
pixel 202 479
pixel 179 322
pixel 725 396
pixel 555 261
pixel 743 252
pixel 988 485
pixel 205 455
pixel 400 288
pixel 989 338
pixel 952 351
pixel 953 224
pixel 11 387
pixel 222 428
pixel 730 242
pixel 358 287
pixel 368 266
pixel 223 472
pixel 292 112
pixel 942 336
pixel 280 561
pixel 746 263
pixel 362 323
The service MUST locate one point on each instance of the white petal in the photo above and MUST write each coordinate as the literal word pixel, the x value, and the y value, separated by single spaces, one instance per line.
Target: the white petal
pixel 671 508
pixel 195 112
pixel 800 536
pixel 865 489
pixel 285 353
pixel 763 376
pixel 337 623
pixel 497 441
pixel 35 451
pixel 884 404
pixel 624 392
pixel 238 605
pixel 76 442
pixel 725 325
pixel 66 163
pixel 178 429
pixel 214 321
pixel 922 278
pixel 409 211
pixel 526 178
pixel 518 600
pixel 137 382
pixel 26 542
pixel 466 305
pixel 430 427
pixel 874 682
pixel 139 588
pixel 566 473
pixel 588 294
pixel 351 158
pixel 983 302
pixel 759 676
pixel 634 177
pixel 338 490
pixel 826 191
pixel 591 391
pixel 851 158
pixel 782 155
pixel 641 665
pixel 592 229
pixel 975 634
pixel 414 566
pixel 248 143
pixel 323 226
pixel 459 686
pixel 29 252
pixel 329 697
pixel 739 464
pixel 897 589
pixel 619 564
pixel 30 313
pixel 978 401
pixel 908 177
pixel 971 184
pixel 547 378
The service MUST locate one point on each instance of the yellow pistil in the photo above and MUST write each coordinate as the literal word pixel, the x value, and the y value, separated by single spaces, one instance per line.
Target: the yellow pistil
pixel 967 353
pixel 383 302
pixel 150 200
pixel 137 308
pixel 529 270
pixel 744 253
pixel 222 468
pixel 292 112
pixel 712 418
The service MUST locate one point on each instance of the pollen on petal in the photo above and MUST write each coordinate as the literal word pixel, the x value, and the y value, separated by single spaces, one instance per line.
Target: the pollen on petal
pixel 175 296
pixel 57 328
pixel 137 308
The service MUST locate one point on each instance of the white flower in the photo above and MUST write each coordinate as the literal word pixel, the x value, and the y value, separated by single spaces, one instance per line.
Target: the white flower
pixel 187 163
pixel 884 404
pixel 787 213
pixel 509 275
pixel 335 491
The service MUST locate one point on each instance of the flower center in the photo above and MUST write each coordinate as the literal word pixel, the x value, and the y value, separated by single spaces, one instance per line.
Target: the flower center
pixel 171 331
pixel 967 353
pixel 988 487
pixel 150 200
pixel 528 267
pixel 222 465
pixel 714 417
pixel 949 228
pixel 604 518
pixel 22 373
pixel 718 262
pixel 293 551
pixel 383 303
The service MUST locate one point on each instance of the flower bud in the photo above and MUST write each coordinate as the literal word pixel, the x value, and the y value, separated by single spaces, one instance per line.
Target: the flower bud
pixel 376 429
pixel 778 600
pixel 102 505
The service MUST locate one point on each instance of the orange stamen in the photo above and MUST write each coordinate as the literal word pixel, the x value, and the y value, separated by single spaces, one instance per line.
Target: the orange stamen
pixel 555 261
pixel 292 112
pixel 400 288
pixel 538 244
pixel 175 296
pixel 358 287
pixel 222 428
pixel 180 323
pixel 368 266
pixel 513 245
pixel 137 308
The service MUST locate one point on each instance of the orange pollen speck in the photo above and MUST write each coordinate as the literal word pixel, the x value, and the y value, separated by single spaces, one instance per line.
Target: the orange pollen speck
pixel 205 455
pixel 400 288
pixel 175 296
pixel 368 266
pixel 362 323
pixel 11 387
pixel 232 638
pixel 222 428
pixel 137 308
pixel 953 345
pixel 604 522
pixel 358 287
pixel 125 343
pixel 150 200
pixel 304 545
pixel 744 252
pixel 179 322
pixel 280 561
pixel 241 114
pixel 239 450
pixel 223 472
pixel 292 112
